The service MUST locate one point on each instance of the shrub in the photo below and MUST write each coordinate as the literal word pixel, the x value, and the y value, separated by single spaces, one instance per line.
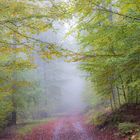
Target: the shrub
pixel 99 119
pixel 126 128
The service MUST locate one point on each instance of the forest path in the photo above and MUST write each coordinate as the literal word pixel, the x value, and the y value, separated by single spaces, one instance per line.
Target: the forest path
pixel 65 128
pixel 71 128
pixel 68 127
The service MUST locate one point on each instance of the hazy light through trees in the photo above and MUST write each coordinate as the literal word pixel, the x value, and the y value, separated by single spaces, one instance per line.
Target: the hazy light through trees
pixel 63 76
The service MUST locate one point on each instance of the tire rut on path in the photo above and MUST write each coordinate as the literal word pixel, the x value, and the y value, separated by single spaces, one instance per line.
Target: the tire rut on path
pixel 70 128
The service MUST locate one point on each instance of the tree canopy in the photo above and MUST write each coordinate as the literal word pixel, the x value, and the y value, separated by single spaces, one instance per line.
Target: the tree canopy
pixel 108 33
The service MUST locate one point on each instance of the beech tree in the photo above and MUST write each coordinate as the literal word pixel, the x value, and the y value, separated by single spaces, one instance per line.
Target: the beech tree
pixel 108 33
pixel 20 23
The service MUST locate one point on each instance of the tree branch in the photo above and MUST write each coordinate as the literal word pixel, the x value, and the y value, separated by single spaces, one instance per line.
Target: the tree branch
pixel 114 12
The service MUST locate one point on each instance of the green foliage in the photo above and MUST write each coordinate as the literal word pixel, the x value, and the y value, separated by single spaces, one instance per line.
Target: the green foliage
pixel 20 24
pixel 5 110
pixel 126 128
pixel 109 34
pixel 13 84
pixel 98 119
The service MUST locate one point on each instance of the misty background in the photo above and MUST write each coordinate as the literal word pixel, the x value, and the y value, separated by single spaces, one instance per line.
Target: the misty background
pixel 61 84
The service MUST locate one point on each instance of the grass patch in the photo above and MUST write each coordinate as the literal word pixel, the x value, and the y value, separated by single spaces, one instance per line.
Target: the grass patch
pixel 24 128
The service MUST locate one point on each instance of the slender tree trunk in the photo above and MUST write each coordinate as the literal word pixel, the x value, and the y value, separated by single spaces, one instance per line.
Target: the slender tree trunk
pixel 134 92
pixel 130 90
pixel 14 87
pixel 14 112
pixel 137 97
pixel 119 97
pixel 13 118
pixel 123 89
pixel 111 104
pixel 113 96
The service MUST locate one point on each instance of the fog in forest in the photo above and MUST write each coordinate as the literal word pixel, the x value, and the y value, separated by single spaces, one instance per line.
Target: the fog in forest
pixel 63 81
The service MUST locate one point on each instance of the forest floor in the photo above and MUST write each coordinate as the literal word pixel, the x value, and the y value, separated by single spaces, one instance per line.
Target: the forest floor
pixel 66 128
pixel 74 127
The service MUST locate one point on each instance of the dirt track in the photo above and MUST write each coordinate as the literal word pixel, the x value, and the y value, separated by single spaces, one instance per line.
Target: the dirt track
pixel 66 128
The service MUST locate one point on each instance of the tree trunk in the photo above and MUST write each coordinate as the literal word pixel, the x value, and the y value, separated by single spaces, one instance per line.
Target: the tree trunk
pixel 131 96
pixel 13 118
pixel 111 104
pixel 123 89
pixel 113 96
pixel 137 97
pixel 14 87
pixel 119 97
